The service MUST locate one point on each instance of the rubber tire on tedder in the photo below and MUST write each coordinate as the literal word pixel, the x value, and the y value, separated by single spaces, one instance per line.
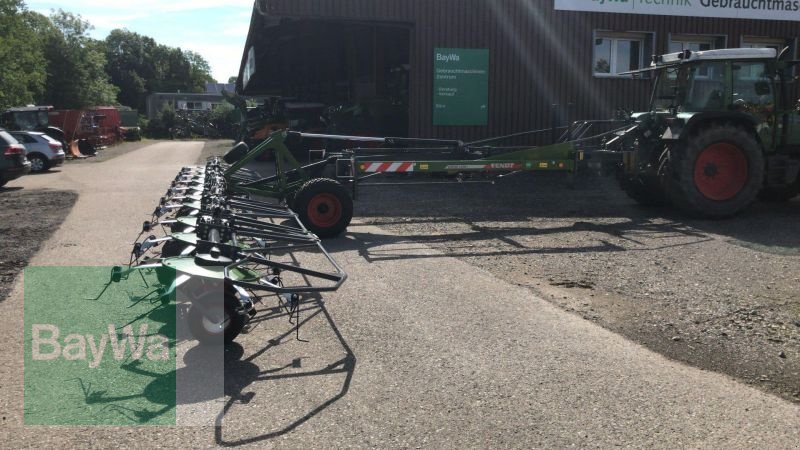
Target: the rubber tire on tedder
pixel 324 206
pixel 199 324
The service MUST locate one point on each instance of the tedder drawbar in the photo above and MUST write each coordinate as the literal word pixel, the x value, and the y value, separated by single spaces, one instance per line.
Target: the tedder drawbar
pixel 322 193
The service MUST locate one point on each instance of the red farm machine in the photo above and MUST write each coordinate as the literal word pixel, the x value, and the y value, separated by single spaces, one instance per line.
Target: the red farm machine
pixel 80 131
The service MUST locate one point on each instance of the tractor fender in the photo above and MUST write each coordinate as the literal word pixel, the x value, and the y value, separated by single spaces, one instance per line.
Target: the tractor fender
pixel 701 120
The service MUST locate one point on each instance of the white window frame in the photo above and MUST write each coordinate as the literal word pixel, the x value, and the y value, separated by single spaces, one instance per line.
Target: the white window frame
pixel 762 42
pixel 614 37
pixel 710 39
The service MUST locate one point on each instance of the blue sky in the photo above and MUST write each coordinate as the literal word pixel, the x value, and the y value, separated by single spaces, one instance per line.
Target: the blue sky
pixel 217 30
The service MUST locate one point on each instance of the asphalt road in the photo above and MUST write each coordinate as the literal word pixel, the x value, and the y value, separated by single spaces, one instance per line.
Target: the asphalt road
pixel 416 350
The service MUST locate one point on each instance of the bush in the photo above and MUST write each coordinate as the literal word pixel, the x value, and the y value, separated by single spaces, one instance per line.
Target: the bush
pixel 226 120
pixel 159 127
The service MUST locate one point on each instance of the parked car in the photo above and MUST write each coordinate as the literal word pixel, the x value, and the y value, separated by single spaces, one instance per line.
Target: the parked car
pixel 13 163
pixel 41 150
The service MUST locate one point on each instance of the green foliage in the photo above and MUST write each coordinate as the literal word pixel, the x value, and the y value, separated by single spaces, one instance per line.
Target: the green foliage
pixel 226 119
pixel 22 76
pixel 161 126
pixel 139 66
pixel 76 66
pixel 54 61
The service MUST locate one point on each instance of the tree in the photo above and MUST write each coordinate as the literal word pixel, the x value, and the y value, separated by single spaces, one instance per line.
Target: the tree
pixel 22 65
pixel 199 71
pixel 131 66
pixel 139 66
pixel 76 77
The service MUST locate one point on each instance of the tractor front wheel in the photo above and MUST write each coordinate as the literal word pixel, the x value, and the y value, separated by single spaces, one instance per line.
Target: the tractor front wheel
pixel 719 174
pixel 324 207
pixel 780 194
pixel 645 190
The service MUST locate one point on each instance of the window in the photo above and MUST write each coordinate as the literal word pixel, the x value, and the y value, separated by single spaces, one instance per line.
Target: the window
pixel 751 85
pixel 615 53
pixel 761 42
pixel 696 43
pixel 24 138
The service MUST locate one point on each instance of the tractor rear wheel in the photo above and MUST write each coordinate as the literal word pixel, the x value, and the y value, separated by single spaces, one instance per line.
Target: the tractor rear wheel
pixel 719 173
pixel 324 207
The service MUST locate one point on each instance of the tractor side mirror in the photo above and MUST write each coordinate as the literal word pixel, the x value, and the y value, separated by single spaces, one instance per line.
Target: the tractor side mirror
pixel 146 227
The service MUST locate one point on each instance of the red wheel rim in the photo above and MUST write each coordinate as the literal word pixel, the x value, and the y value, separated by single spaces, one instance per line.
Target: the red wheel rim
pixel 720 171
pixel 324 210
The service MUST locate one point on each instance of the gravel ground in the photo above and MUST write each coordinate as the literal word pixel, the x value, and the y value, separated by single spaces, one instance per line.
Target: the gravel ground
pixel 719 295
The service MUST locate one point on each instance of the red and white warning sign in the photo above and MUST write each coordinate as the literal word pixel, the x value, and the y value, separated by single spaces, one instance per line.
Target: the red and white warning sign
pixel 381 167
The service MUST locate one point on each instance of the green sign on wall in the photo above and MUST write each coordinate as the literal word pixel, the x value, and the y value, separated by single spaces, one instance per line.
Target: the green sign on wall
pixel 460 86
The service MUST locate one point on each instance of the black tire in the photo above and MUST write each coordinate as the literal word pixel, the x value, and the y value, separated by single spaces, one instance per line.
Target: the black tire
pixel 718 173
pixel 324 206
pixel 86 148
pixel 173 248
pixel 645 190
pixel 206 330
pixel 235 154
pixel 39 163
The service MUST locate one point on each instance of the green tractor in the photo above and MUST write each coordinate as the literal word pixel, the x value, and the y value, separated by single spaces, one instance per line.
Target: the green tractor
pixel 723 130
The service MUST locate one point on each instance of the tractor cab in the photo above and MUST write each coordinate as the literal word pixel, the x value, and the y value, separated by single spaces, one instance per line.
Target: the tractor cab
pixel 722 130
pixel 748 86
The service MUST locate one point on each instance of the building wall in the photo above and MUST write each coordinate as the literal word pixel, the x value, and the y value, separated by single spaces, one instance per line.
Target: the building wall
pixel 538 56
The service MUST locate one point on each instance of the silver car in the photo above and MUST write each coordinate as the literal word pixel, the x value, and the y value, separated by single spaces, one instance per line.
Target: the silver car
pixel 43 151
